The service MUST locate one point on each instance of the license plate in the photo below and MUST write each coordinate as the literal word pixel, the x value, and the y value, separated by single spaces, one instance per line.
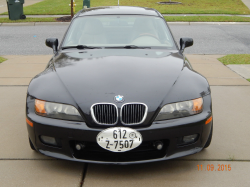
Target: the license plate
pixel 119 139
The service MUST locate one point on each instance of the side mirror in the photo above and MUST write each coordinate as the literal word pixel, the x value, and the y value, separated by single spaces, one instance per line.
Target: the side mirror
pixel 52 43
pixel 185 42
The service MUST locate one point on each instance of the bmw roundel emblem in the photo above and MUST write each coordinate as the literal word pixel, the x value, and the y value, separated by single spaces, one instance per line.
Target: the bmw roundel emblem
pixel 119 98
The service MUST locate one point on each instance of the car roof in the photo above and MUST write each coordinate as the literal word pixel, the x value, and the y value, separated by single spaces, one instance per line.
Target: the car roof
pixel 114 10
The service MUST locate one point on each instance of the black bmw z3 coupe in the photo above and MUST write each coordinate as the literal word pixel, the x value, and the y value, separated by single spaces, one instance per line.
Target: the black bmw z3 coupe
pixel 119 90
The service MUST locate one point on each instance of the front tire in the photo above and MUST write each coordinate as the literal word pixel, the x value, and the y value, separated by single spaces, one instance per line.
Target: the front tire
pixel 209 138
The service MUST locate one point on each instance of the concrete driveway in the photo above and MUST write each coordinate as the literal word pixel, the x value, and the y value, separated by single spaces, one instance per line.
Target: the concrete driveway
pixel 20 166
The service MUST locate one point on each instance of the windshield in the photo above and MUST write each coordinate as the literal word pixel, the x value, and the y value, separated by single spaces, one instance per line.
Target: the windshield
pixel 119 31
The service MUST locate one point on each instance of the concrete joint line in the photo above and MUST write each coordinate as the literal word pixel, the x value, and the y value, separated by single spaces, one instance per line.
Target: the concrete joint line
pixel 25 85
pixel 14 77
pixel 30 63
pixel 228 160
pixel 214 63
pixel 2 159
pixel 230 85
pixel 226 77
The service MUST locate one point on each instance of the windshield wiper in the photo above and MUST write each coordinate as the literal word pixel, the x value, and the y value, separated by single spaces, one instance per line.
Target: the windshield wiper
pixel 129 47
pixel 81 47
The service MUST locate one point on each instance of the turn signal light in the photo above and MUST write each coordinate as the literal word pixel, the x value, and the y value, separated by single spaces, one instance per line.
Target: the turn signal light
pixel 209 120
pixel 197 105
pixel 29 122
pixel 40 106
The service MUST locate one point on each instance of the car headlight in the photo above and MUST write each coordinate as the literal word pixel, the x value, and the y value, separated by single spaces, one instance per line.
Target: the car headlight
pixel 57 110
pixel 181 109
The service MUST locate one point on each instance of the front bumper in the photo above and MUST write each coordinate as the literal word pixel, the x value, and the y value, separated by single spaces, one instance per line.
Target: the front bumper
pixel 169 131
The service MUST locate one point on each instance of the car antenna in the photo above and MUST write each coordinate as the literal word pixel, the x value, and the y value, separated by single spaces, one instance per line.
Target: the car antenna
pixel 118 2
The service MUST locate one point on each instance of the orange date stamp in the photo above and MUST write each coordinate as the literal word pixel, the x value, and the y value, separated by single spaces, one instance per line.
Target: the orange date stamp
pixel 211 167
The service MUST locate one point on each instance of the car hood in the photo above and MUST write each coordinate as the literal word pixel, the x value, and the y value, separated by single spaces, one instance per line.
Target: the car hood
pixel 140 75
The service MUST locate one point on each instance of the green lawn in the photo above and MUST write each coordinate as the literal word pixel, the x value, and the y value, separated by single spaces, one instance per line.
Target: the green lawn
pixel 6 20
pixel 50 7
pixel 235 59
pixel 207 18
pixel 2 59
pixel 248 80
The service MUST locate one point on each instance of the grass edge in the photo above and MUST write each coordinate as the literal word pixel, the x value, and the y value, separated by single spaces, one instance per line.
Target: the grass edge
pixel 2 59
